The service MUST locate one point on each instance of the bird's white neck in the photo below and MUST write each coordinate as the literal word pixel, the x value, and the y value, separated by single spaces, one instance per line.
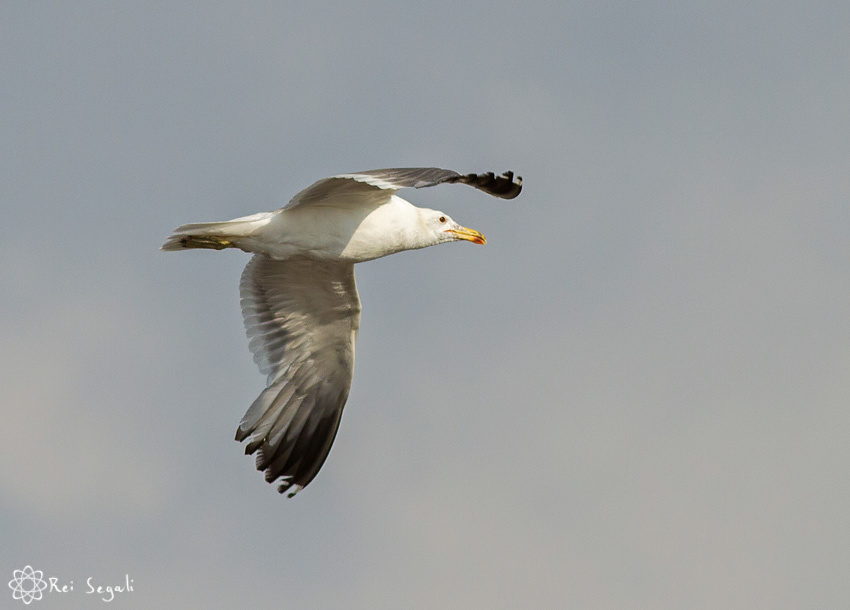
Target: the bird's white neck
pixel 393 227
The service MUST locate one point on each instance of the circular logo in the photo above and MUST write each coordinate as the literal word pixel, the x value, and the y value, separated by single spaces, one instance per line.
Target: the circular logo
pixel 27 584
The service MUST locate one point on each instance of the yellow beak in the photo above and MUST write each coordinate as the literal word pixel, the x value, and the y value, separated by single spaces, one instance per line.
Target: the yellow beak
pixel 469 235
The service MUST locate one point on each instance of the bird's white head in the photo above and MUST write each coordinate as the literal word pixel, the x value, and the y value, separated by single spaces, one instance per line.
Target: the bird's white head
pixel 441 228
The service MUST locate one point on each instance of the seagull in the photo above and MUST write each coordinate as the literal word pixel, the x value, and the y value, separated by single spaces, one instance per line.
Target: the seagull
pixel 300 303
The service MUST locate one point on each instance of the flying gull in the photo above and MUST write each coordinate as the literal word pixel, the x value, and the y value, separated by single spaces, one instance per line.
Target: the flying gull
pixel 300 302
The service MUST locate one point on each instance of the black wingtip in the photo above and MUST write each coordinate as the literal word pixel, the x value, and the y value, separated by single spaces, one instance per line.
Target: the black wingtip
pixel 503 187
pixel 251 447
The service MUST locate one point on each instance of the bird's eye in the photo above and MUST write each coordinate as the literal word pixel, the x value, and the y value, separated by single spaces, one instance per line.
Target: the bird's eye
pixel 442 219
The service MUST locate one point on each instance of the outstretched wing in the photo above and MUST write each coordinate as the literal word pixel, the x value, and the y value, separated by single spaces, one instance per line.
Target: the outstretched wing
pixel 301 317
pixel 381 184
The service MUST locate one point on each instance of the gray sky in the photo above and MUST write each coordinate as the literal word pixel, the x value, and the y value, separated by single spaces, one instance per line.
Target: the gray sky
pixel 636 395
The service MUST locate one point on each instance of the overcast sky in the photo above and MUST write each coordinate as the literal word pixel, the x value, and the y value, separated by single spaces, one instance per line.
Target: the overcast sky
pixel 635 395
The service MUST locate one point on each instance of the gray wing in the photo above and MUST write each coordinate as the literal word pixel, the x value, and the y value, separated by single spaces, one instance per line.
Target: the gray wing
pixel 301 317
pixel 380 184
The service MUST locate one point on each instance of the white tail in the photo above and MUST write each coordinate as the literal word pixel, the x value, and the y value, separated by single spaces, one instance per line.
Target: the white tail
pixel 215 235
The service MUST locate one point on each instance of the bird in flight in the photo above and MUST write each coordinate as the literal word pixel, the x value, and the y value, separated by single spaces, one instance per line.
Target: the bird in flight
pixel 300 303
